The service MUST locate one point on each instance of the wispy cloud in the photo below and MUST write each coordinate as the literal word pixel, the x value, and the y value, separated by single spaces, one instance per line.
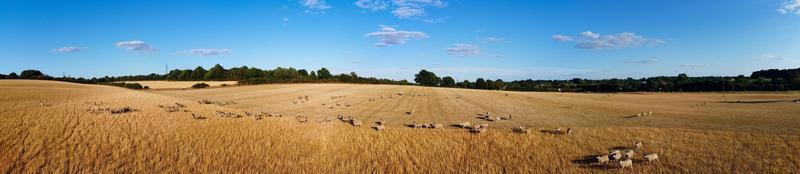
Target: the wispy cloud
pixel 136 45
pixel 494 39
pixel 595 41
pixel 461 49
pixel 403 9
pixel 562 38
pixel 693 66
pixel 790 7
pixel 206 52
pixel 772 57
pixel 644 61
pixel 315 6
pixel 68 49
pixel 388 36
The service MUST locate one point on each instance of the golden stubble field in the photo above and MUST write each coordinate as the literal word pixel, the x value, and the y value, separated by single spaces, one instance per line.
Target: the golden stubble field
pixel 58 127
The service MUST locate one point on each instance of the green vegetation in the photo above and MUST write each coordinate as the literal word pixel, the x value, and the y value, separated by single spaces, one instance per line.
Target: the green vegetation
pixel 200 85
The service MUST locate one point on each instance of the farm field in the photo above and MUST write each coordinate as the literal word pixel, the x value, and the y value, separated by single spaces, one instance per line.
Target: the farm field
pixel 179 84
pixel 59 127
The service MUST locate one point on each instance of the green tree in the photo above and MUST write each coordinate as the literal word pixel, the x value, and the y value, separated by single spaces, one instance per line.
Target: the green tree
pixel 499 84
pixel 254 73
pixel 465 84
pixel 216 73
pixel 323 73
pixel 313 75
pixel 426 78
pixel 303 72
pixel 31 74
pixel 199 73
pixel 481 84
pixel 185 75
pixel 448 81
pixel 174 74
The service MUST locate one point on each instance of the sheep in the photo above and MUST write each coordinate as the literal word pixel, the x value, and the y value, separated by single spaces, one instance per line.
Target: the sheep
pixel 482 126
pixel 464 125
pixel 355 122
pixel 651 157
pixel 523 129
pixel 626 163
pixel 380 122
pixel 436 126
pixel 301 119
pixel 629 153
pixel 638 145
pixel 477 130
pixel 198 116
pixel 602 159
pixel 557 130
pixel 616 156
pixel 569 130
pixel 379 127
pixel 649 112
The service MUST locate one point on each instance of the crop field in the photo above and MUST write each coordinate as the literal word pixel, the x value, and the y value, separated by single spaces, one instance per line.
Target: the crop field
pixel 59 127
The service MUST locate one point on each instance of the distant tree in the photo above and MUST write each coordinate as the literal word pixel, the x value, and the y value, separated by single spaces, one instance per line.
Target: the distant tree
pixel 302 72
pixel 577 81
pixel 2 76
pixel 285 74
pixel 481 84
pixel 499 84
pixel 426 78
pixel 199 73
pixel 254 73
pixel 490 84
pixel 465 84
pixel 323 73
pixel 174 74
pixel 216 73
pixel 313 75
pixel 353 76
pixel 32 74
pixel 448 81
pixel 185 75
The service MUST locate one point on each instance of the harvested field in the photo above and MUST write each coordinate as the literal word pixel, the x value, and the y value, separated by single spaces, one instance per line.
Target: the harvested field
pixel 46 127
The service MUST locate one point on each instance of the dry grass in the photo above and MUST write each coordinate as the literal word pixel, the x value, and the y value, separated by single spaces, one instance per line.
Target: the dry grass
pixel 180 84
pixel 61 137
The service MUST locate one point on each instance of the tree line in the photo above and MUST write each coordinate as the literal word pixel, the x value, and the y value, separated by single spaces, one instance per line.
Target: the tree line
pixel 763 80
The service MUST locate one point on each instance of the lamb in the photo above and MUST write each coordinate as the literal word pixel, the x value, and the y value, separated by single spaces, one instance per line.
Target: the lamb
pixel 301 119
pixel 557 130
pixel 638 144
pixel 602 159
pixel 651 157
pixel 626 163
pixel 569 130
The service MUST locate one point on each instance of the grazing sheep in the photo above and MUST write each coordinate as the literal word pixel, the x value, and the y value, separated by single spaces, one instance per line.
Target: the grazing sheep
pixel 651 157
pixel 379 127
pixel 629 153
pixel 477 130
pixel 569 130
pixel 523 129
pixel 616 156
pixel 483 126
pixel 602 159
pixel 301 119
pixel 638 145
pixel 380 122
pixel 198 117
pixel 626 163
pixel 649 112
pixel 464 125
pixel 355 122
pixel 436 126
pixel 557 130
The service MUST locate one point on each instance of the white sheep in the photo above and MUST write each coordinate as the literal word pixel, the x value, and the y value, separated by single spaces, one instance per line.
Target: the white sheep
pixel 638 144
pixel 464 125
pixel 626 163
pixel 629 153
pixel 651 157
pixel 616 156
pixel 379 127
pixel 602 159
pixel 436 126
pixel 355 122
pixel 522 129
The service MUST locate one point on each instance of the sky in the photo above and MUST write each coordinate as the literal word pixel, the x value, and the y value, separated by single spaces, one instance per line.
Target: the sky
pixel 465 39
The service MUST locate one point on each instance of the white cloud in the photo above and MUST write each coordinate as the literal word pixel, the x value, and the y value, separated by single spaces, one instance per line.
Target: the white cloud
pixel 68 49
pixel 773 57
pixel 596 41
pixel 315 5
pixel 645 61
pixel 285 19
pixel 790 7
pixel 403 9
pixel 135 45
pixel 494 39
pixel 408 12
pixel 562 38
pixel 374 5
pixel 206 52
pixel 460 49
pixel 388 36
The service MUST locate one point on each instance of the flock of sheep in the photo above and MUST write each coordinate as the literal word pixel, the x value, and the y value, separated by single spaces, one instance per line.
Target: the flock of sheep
pixel 625 158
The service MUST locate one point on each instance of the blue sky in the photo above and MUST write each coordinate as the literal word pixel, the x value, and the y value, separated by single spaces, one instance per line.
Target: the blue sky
pixel 465 39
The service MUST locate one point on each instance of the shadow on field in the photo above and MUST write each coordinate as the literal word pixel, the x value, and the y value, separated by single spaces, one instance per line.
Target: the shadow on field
pixel 590 161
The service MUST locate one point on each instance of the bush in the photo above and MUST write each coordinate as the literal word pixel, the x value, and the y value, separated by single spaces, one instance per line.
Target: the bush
pixel 146 87
pixel 133 86
pixel 200 85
